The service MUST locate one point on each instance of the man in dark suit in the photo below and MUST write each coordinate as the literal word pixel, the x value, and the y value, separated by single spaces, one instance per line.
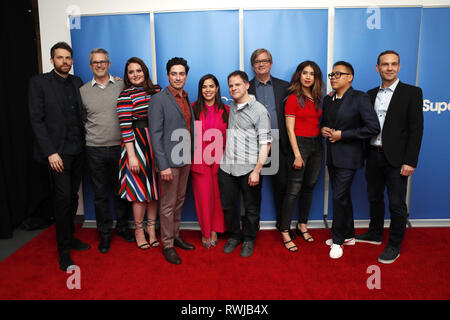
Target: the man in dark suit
pixel 271 92
pixel 348 119
pixel 393 154
pixel 171 117
pixel 55 113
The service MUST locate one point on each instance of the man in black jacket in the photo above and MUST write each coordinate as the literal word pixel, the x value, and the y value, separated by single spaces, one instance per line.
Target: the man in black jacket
pixel 55 115
pixel 348 119
pixel 271 92
pixel 393 154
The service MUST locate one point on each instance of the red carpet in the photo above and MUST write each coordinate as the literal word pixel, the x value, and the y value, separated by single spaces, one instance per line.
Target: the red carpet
pixel 421 272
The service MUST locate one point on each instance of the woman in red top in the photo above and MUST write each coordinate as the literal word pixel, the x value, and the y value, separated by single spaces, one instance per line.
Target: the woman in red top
pixel 302 111
pixel 211 117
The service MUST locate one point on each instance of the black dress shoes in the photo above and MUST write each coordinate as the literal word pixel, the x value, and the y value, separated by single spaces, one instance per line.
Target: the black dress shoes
pixel 126 235
pixel 65 260
pixel 171 255
pixel 79 245
pixel 105 243
pixel 180 243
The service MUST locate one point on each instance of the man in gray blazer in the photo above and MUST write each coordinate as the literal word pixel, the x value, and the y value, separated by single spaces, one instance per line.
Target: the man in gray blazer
pixel 171 127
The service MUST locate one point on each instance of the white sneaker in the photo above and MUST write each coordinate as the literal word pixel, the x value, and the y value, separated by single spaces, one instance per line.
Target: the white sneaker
pixel 347 242
pixel 336 251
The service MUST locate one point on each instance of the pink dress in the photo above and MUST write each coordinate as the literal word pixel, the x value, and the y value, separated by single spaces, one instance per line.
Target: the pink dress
pixel 205 167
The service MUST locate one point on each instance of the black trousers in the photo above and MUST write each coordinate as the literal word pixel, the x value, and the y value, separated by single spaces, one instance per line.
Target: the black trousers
pixel 65 198
pixel 343 223
pixel 381 175
pixel 301 182
pixel 103 163
pixel 230 188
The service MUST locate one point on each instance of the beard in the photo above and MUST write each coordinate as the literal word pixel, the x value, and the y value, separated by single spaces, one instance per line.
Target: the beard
pixel 64 69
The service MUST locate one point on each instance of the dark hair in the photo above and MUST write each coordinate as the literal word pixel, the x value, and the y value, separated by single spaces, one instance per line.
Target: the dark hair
pixel 60 45
pixel 295 86
pixel 176 61
pixel 199 105
pixel 239 73
pixel 388 52
pixel 149 87
pixel 345 64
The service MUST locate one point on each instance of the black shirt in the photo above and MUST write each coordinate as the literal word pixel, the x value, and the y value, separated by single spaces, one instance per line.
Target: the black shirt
pixel 73 143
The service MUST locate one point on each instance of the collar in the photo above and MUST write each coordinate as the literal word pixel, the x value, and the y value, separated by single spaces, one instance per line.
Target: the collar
pixel 59 78
pixel 259 83
pixel 93 82
pixel 334 97
pixel 391 87
pixel 248 103
pixel 175 92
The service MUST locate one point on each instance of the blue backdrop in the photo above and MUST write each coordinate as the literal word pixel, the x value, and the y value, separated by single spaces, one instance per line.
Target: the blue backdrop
pixel 289 46
pixel 209 40
pixel 360 35
pixel 430 182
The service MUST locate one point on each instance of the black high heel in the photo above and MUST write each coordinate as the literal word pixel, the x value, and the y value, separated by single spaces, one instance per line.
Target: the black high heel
pixel 300 233
pixel 291 249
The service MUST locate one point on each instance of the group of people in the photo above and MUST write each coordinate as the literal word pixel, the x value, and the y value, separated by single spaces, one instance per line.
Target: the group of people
pixel 142 142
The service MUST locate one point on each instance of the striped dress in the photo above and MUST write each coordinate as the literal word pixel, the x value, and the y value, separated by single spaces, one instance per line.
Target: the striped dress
pixel 132 105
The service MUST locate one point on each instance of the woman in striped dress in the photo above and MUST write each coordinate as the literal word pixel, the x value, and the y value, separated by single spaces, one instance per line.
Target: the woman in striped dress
pixel 138 179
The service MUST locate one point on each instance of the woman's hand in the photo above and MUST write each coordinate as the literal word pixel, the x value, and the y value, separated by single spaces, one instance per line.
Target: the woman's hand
pixel 133 163
pixel 298 163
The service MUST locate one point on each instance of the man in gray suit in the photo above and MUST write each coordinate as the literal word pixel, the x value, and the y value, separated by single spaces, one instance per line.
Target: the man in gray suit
pixel 171 126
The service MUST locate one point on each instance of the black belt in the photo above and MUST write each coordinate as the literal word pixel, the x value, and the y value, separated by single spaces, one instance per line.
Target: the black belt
pixel 376 148
pixel 141 123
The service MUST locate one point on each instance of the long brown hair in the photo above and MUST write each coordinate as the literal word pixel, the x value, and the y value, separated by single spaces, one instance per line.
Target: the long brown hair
pixel 149 87
pixel 317 90
pixel 199 105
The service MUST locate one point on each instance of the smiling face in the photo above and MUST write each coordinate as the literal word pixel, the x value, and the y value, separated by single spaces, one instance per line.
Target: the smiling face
pixel 177 76
pixel 100 65
pixel 62 61
pixel 209 91
pixel 135 74
pixel 262 65
pixel 388 68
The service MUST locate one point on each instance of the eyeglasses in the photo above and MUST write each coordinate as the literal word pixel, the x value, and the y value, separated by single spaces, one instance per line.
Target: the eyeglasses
pixel 265 61
pixel 336 74
pixel 97 63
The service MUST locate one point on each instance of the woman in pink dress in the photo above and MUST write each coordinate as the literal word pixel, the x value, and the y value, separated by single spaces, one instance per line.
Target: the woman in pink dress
pixel 211 124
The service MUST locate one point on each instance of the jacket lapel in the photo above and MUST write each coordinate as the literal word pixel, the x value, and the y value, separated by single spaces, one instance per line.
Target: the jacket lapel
pixel 395 98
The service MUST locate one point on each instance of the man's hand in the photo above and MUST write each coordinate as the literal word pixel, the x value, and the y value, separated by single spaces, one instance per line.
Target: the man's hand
pixel 166 175
pixel 407 170
pixel 336 135
pixel 56 162
pixel 253 178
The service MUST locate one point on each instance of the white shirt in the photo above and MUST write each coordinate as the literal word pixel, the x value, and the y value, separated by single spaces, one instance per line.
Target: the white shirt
pixel 382 101
pixel 93 82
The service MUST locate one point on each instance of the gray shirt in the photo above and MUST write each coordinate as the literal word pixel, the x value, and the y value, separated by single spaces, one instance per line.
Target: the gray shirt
pixel 265 95
pixel 99 113
pixel 248 129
